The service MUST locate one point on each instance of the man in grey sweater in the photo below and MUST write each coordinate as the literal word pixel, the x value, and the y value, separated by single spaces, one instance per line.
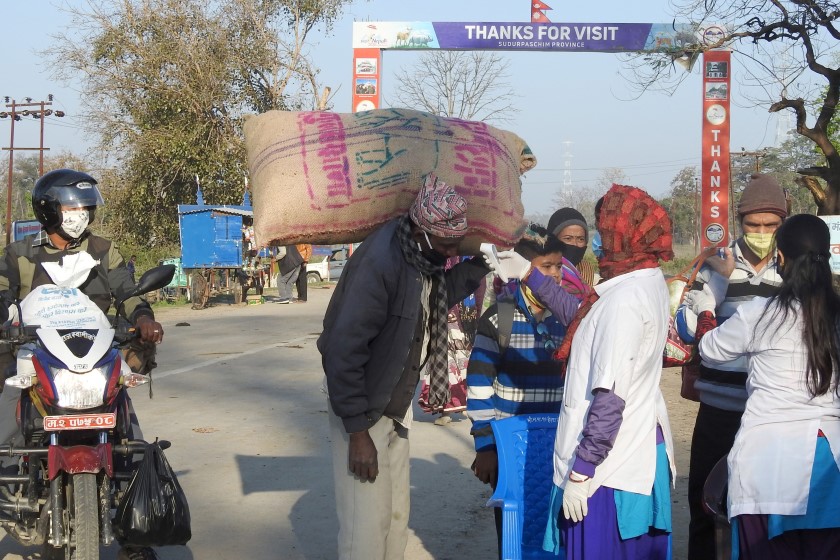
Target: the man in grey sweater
pixel 749 273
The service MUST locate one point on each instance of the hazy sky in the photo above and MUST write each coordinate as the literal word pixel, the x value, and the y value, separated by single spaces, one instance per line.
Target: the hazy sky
pixel 574 97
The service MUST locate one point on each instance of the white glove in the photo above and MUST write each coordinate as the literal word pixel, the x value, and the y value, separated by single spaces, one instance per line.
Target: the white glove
pixel 576 498
pixel 699 301
pixel 513 265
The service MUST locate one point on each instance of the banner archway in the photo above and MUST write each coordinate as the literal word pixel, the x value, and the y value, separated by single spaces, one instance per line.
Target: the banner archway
pixel 371 38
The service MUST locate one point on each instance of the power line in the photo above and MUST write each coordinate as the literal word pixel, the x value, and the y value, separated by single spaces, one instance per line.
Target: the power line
pixel 578 181
pixel 671 163
pixel 17 115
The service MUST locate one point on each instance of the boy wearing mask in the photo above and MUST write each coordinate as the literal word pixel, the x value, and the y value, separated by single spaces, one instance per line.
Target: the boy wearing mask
pixel 511 370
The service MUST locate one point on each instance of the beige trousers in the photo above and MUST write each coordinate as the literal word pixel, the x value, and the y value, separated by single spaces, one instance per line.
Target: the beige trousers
pixel 372 516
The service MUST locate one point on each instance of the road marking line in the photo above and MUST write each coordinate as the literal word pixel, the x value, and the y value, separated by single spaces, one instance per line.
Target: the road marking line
pixel 162 374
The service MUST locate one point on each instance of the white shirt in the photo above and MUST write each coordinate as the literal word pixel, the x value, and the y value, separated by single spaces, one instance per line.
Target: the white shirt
pixel 618 346
pixel 771 461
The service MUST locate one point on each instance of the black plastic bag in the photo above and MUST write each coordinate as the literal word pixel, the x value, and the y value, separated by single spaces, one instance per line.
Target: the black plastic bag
pixel 154 510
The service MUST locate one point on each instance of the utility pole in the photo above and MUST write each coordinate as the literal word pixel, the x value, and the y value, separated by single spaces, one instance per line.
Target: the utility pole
pixel 757 155
pixel 16 115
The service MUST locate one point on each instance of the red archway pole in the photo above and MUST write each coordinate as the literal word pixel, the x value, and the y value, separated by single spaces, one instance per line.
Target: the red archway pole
pixel 715 176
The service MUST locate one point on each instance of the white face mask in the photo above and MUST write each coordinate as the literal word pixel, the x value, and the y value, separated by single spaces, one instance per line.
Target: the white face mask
pixel 74 222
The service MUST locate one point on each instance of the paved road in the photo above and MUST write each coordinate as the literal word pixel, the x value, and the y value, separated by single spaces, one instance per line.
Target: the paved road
pixel 238 392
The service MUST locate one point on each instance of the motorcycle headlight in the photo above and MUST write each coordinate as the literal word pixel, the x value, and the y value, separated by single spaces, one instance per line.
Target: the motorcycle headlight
pixel 80 391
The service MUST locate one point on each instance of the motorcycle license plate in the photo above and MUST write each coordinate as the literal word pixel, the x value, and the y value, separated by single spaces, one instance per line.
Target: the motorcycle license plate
pixel 102 421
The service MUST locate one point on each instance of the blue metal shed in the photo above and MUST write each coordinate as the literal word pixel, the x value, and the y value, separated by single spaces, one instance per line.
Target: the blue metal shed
pixel 212 253
pixel 211 236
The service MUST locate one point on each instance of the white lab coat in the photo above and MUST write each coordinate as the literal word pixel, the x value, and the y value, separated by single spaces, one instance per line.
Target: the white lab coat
pixel 771 461
pixel 618 346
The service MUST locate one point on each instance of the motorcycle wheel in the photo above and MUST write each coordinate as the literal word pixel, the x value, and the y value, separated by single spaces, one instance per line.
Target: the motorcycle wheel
pixel 85 504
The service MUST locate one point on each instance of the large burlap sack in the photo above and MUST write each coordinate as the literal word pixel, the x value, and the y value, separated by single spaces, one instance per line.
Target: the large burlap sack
pixel 324 178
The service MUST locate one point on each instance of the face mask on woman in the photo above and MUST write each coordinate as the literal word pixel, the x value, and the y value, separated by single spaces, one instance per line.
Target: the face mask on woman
pixel 74 222
pixel 759 243
pixel 574 254
pixel 597 248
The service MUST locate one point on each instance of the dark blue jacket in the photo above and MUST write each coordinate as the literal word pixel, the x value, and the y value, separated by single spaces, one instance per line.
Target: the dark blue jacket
pixel 370 324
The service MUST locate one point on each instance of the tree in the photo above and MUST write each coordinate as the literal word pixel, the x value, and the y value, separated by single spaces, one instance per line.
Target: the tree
pixel 465 85
pixel 786 48
pixel 25 174
pixel 682 204
pixel 167 84
pixel 582 199
pixel 608 177
pixel 797 152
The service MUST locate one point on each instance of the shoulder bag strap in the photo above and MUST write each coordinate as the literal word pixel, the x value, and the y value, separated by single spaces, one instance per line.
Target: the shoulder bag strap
pixel 504 313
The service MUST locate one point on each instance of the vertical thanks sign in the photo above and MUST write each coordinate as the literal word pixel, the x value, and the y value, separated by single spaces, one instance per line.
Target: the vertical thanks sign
pixel 714 211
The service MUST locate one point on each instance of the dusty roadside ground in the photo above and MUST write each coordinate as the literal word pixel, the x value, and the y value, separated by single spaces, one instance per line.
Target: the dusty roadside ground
pixel 238 391
pixel 682 414
pixel 448 520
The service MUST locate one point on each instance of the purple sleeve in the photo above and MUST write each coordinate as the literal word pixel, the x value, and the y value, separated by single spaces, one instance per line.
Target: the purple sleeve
pixel 600 431
pixel 561 303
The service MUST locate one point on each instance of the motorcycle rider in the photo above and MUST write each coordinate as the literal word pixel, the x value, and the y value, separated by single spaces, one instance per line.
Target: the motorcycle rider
pixel 64 202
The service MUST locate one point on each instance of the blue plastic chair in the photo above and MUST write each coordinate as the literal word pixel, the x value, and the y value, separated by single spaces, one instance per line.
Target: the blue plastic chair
pixel 525 445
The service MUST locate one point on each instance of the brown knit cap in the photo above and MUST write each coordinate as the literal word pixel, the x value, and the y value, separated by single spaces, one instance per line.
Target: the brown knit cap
pixel 763 193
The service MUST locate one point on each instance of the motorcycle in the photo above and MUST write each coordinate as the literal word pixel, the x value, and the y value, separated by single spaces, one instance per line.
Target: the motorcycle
pixel 78 453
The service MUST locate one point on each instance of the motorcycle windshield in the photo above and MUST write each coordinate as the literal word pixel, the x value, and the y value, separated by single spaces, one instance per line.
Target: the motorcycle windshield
pixel 53 307
pixel 72 327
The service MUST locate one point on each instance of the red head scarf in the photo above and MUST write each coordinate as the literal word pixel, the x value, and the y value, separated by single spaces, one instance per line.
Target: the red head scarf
pixel 635 231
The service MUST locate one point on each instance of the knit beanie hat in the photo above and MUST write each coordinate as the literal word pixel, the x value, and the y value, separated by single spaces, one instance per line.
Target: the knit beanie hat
pixel 567 217
pixel 763 193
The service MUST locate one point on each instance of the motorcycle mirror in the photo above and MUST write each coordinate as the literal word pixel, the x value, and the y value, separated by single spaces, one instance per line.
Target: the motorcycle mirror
pixel 153 279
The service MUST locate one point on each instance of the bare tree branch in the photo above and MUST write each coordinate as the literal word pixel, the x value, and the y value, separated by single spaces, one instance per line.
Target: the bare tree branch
pixel 805 33
pixel 814 186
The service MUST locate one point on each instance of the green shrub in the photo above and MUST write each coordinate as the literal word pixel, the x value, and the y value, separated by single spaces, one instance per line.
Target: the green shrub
pixel 148 257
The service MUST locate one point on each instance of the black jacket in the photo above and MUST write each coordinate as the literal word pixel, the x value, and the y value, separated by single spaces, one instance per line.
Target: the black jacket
pixel 370 324
pixel 21 272
pixel 291 261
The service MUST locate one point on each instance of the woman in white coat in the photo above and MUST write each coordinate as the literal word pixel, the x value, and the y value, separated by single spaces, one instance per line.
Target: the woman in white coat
pixel 612 462
pixel 784 481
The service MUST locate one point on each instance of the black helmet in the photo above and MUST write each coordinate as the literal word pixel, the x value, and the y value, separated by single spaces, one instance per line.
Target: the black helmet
pixel 63 187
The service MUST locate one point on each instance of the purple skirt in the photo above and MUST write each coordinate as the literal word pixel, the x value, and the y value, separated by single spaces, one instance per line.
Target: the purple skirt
pixel 604 541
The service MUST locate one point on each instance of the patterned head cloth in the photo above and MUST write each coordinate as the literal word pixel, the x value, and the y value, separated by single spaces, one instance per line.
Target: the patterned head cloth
pixel 439 210
pixel 635 231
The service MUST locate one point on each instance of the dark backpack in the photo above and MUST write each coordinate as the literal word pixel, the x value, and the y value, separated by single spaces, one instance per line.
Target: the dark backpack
pixel 504 313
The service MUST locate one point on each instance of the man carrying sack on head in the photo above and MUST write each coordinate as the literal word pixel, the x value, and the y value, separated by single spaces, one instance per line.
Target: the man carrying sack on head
pixel 385 323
